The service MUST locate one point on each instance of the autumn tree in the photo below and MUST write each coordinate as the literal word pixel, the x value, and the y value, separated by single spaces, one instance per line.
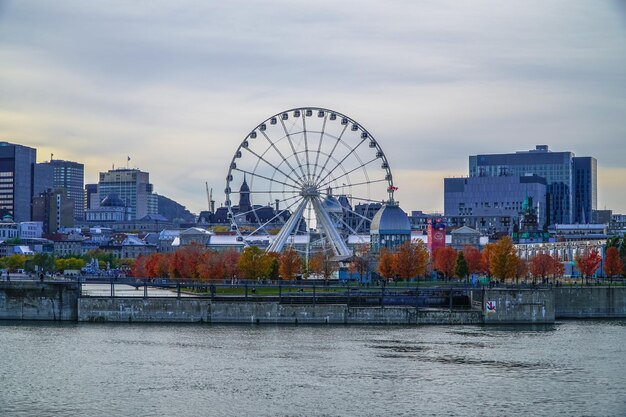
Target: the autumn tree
pixel 474 259
pixel 557 269
pixel 541 265
pixel 411 259
pixel 210 266
pixel 486 258
pixel 613 265
pixel 157 265
pixel 230 260
pixel 588 262
pixel 14 262
pixel 444 260
pixel 254 263
pixel 522 269
pixel 461 269
pixel 321 264
pixel 360 263
pixel 184 262
pixel 139 267
pixel 503 259
pixel 290 264
pixel 385 264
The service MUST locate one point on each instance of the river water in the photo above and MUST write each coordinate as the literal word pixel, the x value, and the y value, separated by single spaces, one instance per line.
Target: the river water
pixel 574 368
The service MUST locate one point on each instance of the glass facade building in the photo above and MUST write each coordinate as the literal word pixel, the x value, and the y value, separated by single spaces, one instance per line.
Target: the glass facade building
pixel 571 181
pixel 17 180
pixel 133 187
pixel 70 176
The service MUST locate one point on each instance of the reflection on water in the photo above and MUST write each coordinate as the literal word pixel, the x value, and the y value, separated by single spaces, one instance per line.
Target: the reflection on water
pixel 569 369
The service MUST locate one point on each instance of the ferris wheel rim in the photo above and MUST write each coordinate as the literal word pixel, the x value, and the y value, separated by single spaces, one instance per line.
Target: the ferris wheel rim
pixel 301 170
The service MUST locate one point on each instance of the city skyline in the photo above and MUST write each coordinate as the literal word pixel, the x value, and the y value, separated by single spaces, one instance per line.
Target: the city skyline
pixel 178 87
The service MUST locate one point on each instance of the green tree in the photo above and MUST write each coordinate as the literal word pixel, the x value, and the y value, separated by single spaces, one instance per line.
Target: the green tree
pixel 613 242
pixel 15 262
pixel 461 269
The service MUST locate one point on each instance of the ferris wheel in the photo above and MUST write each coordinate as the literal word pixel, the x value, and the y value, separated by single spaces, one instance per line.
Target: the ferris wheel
pixel 307 178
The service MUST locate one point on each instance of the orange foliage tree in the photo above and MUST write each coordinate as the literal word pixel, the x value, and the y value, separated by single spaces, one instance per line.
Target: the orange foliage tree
pixel 385 266
pixel 411 259
pixel 210 266
pixel 444 260
pixel 486 258
pixel 588 262
pixel 290 264
pixel 613 265
pixel 474 259
pixel 503 259
pixel 321 264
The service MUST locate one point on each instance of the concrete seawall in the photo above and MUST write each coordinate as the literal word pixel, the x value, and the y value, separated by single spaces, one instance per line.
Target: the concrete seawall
pixel 31 300
pixel 518 306
pixel 590 302
pixel 166 310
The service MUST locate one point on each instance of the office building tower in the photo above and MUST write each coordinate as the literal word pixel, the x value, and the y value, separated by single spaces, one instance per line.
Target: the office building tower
pixel 495 196
pixel 70 176
pixel 571 181
pixel 54 209
pixel 17 180
pixel 133 187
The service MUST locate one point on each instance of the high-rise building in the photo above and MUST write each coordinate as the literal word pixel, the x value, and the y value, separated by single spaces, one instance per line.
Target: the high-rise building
pixel 91 196
pixel 133 187
pixel 494 196
pixel 70 176
pixel 54 209
pixel 571 181
pixel 21 178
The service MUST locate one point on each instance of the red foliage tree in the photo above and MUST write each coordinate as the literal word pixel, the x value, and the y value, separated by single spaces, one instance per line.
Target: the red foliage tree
pixel 541 265
pixel 588 262
pixel 474 259
pixel 613 265
pixel 210 266
pixel 230 259
pixel 185 260
pixel 444 260
pixel 138 269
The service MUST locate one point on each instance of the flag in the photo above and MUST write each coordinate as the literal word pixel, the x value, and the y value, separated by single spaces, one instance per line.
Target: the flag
pixel 128 159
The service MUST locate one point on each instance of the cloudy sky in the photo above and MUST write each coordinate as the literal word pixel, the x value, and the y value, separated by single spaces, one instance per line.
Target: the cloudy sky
pixel 177 85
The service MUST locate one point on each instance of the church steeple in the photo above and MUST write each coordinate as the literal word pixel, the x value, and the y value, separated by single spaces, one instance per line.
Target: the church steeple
pixel 244 196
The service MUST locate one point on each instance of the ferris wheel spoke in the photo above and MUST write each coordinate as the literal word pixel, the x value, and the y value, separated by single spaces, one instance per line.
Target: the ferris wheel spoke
pixel 306 148
pixel 343 160
pixel 330 154
pixel 254 174
pixel 272 165
pixel 356 183
pixel 322 186
pixel 267 192
pixel 362 218
pixel 319 146
pixel 273 146
pixel 254 210
pixel 276 216
pixel 293 149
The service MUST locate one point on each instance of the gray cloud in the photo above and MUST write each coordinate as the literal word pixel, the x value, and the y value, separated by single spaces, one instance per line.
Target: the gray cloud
pixel 178 85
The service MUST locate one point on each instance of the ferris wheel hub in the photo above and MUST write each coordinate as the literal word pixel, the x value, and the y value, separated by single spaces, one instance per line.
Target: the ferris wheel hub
pixel 309 190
